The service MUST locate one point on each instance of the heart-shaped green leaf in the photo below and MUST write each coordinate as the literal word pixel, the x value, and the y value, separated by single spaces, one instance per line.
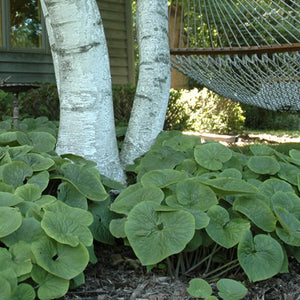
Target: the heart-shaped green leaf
pixel 162 178
pixel 257 210
pixel 68 194
pixel 199 288
pixel 41 141
pixel 212 155
pixel 85 179
pixel 8 199
pixel 223 230
pixel 231 289
pixel 24 291
pixel 230 186
pixel 29 231
pixel 15 173
pixel 270 186
pixel 289 173
pixel 29 192
pixel 67 225
pixel 260 257
pixel 21 258
pixel 201 218
pixel 50 286
pixel 289 232
pixel 135 194
pixel 155 235
pixel 60 260
pixel 36 161
pixel 263 165
pixel 11 220
pixel 40 179
pixel 190 192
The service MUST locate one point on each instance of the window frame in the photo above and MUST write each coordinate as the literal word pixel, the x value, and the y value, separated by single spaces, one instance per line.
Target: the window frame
pixel 6 45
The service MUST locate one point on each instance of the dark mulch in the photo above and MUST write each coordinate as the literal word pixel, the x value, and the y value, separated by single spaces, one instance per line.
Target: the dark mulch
pixel 119 276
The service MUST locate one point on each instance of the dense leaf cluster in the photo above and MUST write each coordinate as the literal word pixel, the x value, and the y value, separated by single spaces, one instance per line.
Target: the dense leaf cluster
pixel 243 209
pixel 50 208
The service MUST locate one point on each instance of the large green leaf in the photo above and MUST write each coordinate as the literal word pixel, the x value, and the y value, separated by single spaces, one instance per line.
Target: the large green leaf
pixel 36 161
pixel 166 158
pixel 67 225
pixel 155 235
pixel 85 180
pixel 162 178
pixel 231 289
pixel 102 217
pixel 223 230
pixel 15 173
pixel 260 257
pixel 68 194
pixel 182 142
pixel 201 218
pixel 257 210
pixel 212 155
pixel 289 201
pixel 263 165
pixel 58 259
pixel 199 288
pixel 117 227
pixel 29 192
pixel 135 194
pixel 190 192
pixel 21 258
pixel 40 179
pixel 49 286
pixel 8 199
pixel 289 173
pixel 11 220
pixel 24 291
pixel 29 231
pixel 261 150
pixel 42 141
pixel 5 291
pixel 230 186
pixel 289 232
pixel 270 186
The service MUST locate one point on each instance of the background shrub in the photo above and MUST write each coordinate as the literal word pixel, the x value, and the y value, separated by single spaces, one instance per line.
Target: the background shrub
pixel 259 118
pixel 203 110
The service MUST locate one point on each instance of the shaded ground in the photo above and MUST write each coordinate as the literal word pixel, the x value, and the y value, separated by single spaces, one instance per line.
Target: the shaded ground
pixel 118 276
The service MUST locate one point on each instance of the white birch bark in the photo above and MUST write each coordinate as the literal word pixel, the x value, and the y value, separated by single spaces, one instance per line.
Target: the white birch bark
pixel 152 94
pixel 81 62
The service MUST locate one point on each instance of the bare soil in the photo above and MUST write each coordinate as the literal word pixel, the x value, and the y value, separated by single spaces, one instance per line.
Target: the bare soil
pixel 119 276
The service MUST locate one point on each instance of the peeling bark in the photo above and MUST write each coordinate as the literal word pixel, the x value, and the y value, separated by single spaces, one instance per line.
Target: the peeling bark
pixel 82 71
pixel 152 95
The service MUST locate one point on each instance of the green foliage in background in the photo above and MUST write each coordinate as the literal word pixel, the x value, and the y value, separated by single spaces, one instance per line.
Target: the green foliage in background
pixel 50 212
pixel 259 118
pixel 203 111
pixel 206 206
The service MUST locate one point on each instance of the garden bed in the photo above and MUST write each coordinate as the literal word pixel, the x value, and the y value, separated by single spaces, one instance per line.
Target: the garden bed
pixel 119 276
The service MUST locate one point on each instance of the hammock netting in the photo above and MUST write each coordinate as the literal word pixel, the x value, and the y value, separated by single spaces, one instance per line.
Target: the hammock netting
pixel 246 50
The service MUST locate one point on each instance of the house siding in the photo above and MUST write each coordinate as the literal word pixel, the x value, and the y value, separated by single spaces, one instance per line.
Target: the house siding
pixel 20 66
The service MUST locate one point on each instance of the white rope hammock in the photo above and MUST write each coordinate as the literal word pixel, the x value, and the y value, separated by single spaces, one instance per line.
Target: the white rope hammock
pixel 244 50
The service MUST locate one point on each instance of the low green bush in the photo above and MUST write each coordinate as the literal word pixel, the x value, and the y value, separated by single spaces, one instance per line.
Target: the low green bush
pixel 206 206
pixel 261 119
pixel 203 111
pixel 50 212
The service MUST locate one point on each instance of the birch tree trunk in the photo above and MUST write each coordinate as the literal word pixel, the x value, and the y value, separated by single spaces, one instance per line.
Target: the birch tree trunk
pixel 152 94
pixel 81 62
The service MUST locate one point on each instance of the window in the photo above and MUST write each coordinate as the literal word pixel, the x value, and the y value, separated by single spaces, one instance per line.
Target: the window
pixel 25 24
pixel 22 26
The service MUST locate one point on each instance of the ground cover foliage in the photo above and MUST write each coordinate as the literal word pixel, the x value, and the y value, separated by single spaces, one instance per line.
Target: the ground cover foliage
pixel 188 206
